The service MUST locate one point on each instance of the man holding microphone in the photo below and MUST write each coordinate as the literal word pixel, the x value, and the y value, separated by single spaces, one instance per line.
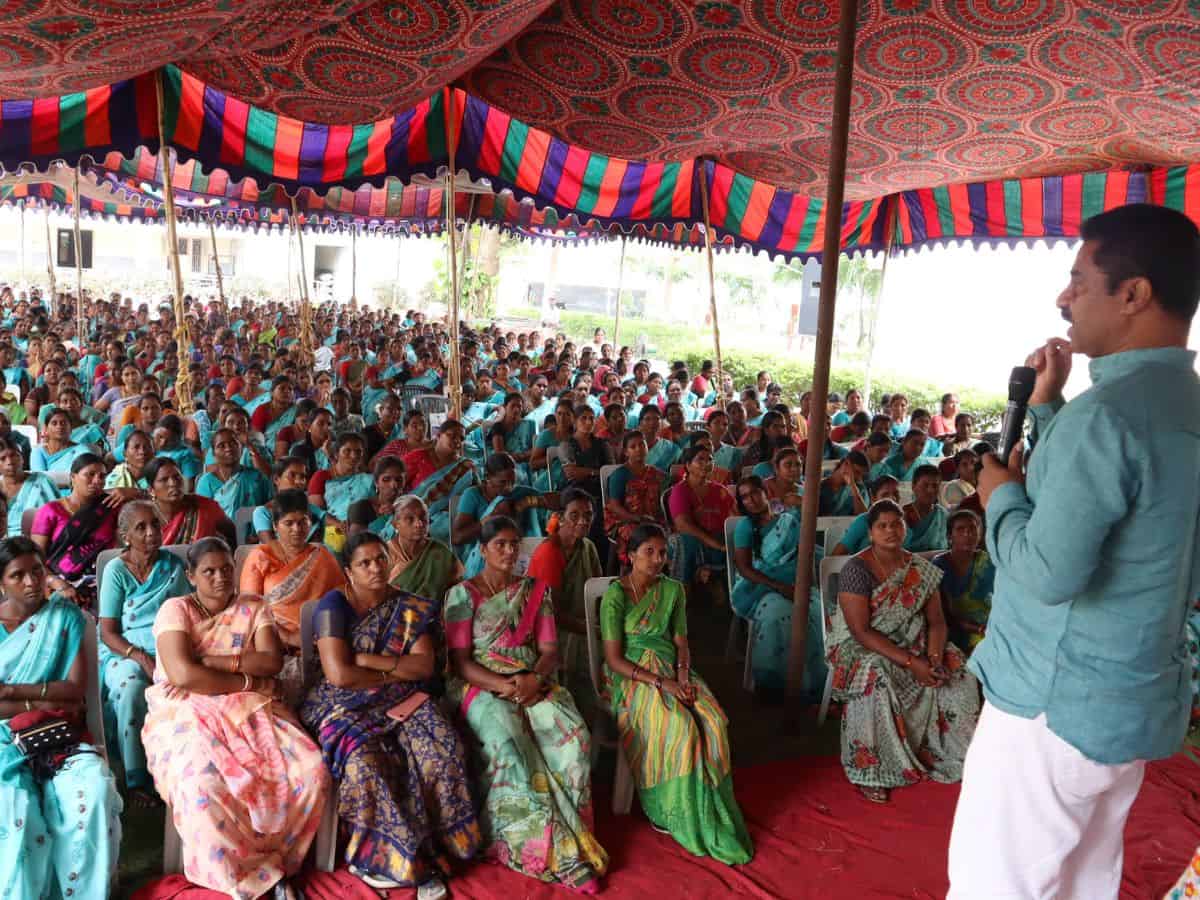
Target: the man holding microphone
pixel 1084 668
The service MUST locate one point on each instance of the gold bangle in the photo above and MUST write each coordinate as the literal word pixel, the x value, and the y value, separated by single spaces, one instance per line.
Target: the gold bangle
pixel 128 651
pixel 28 706
pixel 45 687
pixel 247 682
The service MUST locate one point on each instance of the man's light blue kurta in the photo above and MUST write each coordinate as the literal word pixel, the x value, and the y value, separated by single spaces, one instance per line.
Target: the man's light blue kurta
pixel 1095 562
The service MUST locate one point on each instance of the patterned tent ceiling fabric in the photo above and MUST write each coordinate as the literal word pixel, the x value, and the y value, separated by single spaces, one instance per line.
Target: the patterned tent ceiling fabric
pixel 947 91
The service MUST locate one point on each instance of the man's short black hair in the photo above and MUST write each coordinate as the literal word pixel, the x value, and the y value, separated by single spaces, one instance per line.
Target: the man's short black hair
pixel 1141 240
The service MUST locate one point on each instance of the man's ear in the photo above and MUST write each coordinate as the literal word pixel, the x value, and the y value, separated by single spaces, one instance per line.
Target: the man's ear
pixel 1135 295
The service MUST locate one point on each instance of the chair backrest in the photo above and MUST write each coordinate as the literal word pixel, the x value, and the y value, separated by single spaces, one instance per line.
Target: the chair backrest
pixel 828 465
pixel 60 479
pixel 525 554
pixel 436 409
pixel 906 492
pixel 107 556
pixel 552 454
pixel 605 474
pixel 730 568
pixel 831 566
pixel 15 390
pixel 695 425
pixel 593 590
pixel 834 527
pixel 243 521
pixel 666 508
pixel 410 396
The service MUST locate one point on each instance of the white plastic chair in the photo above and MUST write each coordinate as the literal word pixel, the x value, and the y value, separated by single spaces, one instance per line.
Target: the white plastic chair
pixel 695 425
pixel 30 433
pixel 834 527
pixel 243 521
pixel 60 479
pixel 593 590
pixel 552 454
pixel 906 492
pixel 828 465
pixel 831 566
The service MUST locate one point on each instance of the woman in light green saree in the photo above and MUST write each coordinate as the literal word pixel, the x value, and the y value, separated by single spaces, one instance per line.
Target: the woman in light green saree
pixel 925 517
pixel 532 746
pixel 420 565
pixel 63 834
pixel 134 586
pixel 673 731
pixel 22 491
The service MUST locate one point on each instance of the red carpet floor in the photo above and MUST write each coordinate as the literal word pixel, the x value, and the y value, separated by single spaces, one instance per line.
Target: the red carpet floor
pixel 814 838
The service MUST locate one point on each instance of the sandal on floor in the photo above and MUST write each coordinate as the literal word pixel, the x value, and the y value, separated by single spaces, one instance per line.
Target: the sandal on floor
pixel 874 794
pixel 433 889
pixel 376 881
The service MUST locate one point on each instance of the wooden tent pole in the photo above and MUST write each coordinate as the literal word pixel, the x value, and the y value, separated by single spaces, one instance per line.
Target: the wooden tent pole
pixel 53 300
pixel 183 339
pixel 466 247
pixel 831 249
pixel 616 338
pixel 212 233
pixel 712 284
pixel 891 243
pixel 453 368
pixel 80 315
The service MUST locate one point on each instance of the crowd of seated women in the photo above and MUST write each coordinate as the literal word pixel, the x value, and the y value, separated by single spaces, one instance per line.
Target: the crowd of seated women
pixel 445 712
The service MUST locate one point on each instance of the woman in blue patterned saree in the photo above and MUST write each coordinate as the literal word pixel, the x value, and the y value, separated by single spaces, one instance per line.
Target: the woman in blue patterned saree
pixel 63 832
pixel 399 765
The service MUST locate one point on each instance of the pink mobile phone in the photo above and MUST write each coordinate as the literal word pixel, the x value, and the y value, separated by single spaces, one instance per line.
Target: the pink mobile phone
pixel 405 708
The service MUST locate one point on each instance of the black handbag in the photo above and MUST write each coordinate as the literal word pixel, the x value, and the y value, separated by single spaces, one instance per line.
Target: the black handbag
pixel 46 744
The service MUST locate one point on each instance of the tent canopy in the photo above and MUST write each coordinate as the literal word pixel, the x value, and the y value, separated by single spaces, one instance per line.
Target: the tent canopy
pixel 966 115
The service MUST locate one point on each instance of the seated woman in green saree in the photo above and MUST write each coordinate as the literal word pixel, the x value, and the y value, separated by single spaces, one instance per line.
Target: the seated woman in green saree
pixel 514 435
pixel 925 517
pixel 57 451
pixel 552 435
pixel 337 488
pixel 232 485
pixel 563 562
pixel 498 495
pixel 129 476
pixel 764 555
pixel 374 513
pixel 437 473
pixel 673 731
pixel 22 490
pixel 844 492
pixel 970 578
pixel 902 463
pixel 911 704
pixel 62 835
pixel 402 793
pixel 420 565
pixel 532 766
pixel 134 586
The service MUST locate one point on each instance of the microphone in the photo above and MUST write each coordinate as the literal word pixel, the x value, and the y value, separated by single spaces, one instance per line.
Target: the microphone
pixel 1020 388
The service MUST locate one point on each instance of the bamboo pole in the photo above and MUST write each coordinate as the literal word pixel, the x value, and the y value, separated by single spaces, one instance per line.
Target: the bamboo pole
pixel 212 233
pixel 466 247
pixel 306 324
pixel 712 284
pixel 183 338
pixel 453 367
pixel 831 249
pixel 53 302
pixel 80 314
pixel 616 338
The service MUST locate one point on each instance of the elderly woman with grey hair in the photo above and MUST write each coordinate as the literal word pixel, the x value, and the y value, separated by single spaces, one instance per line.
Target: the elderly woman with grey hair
pixel 420 565
pixel 134 586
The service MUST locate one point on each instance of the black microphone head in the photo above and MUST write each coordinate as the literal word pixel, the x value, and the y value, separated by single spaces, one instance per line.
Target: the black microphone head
pixel 1020 384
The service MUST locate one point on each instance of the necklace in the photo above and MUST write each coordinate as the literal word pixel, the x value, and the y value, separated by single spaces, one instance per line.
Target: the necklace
pixel 200 607
pixel 492 592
